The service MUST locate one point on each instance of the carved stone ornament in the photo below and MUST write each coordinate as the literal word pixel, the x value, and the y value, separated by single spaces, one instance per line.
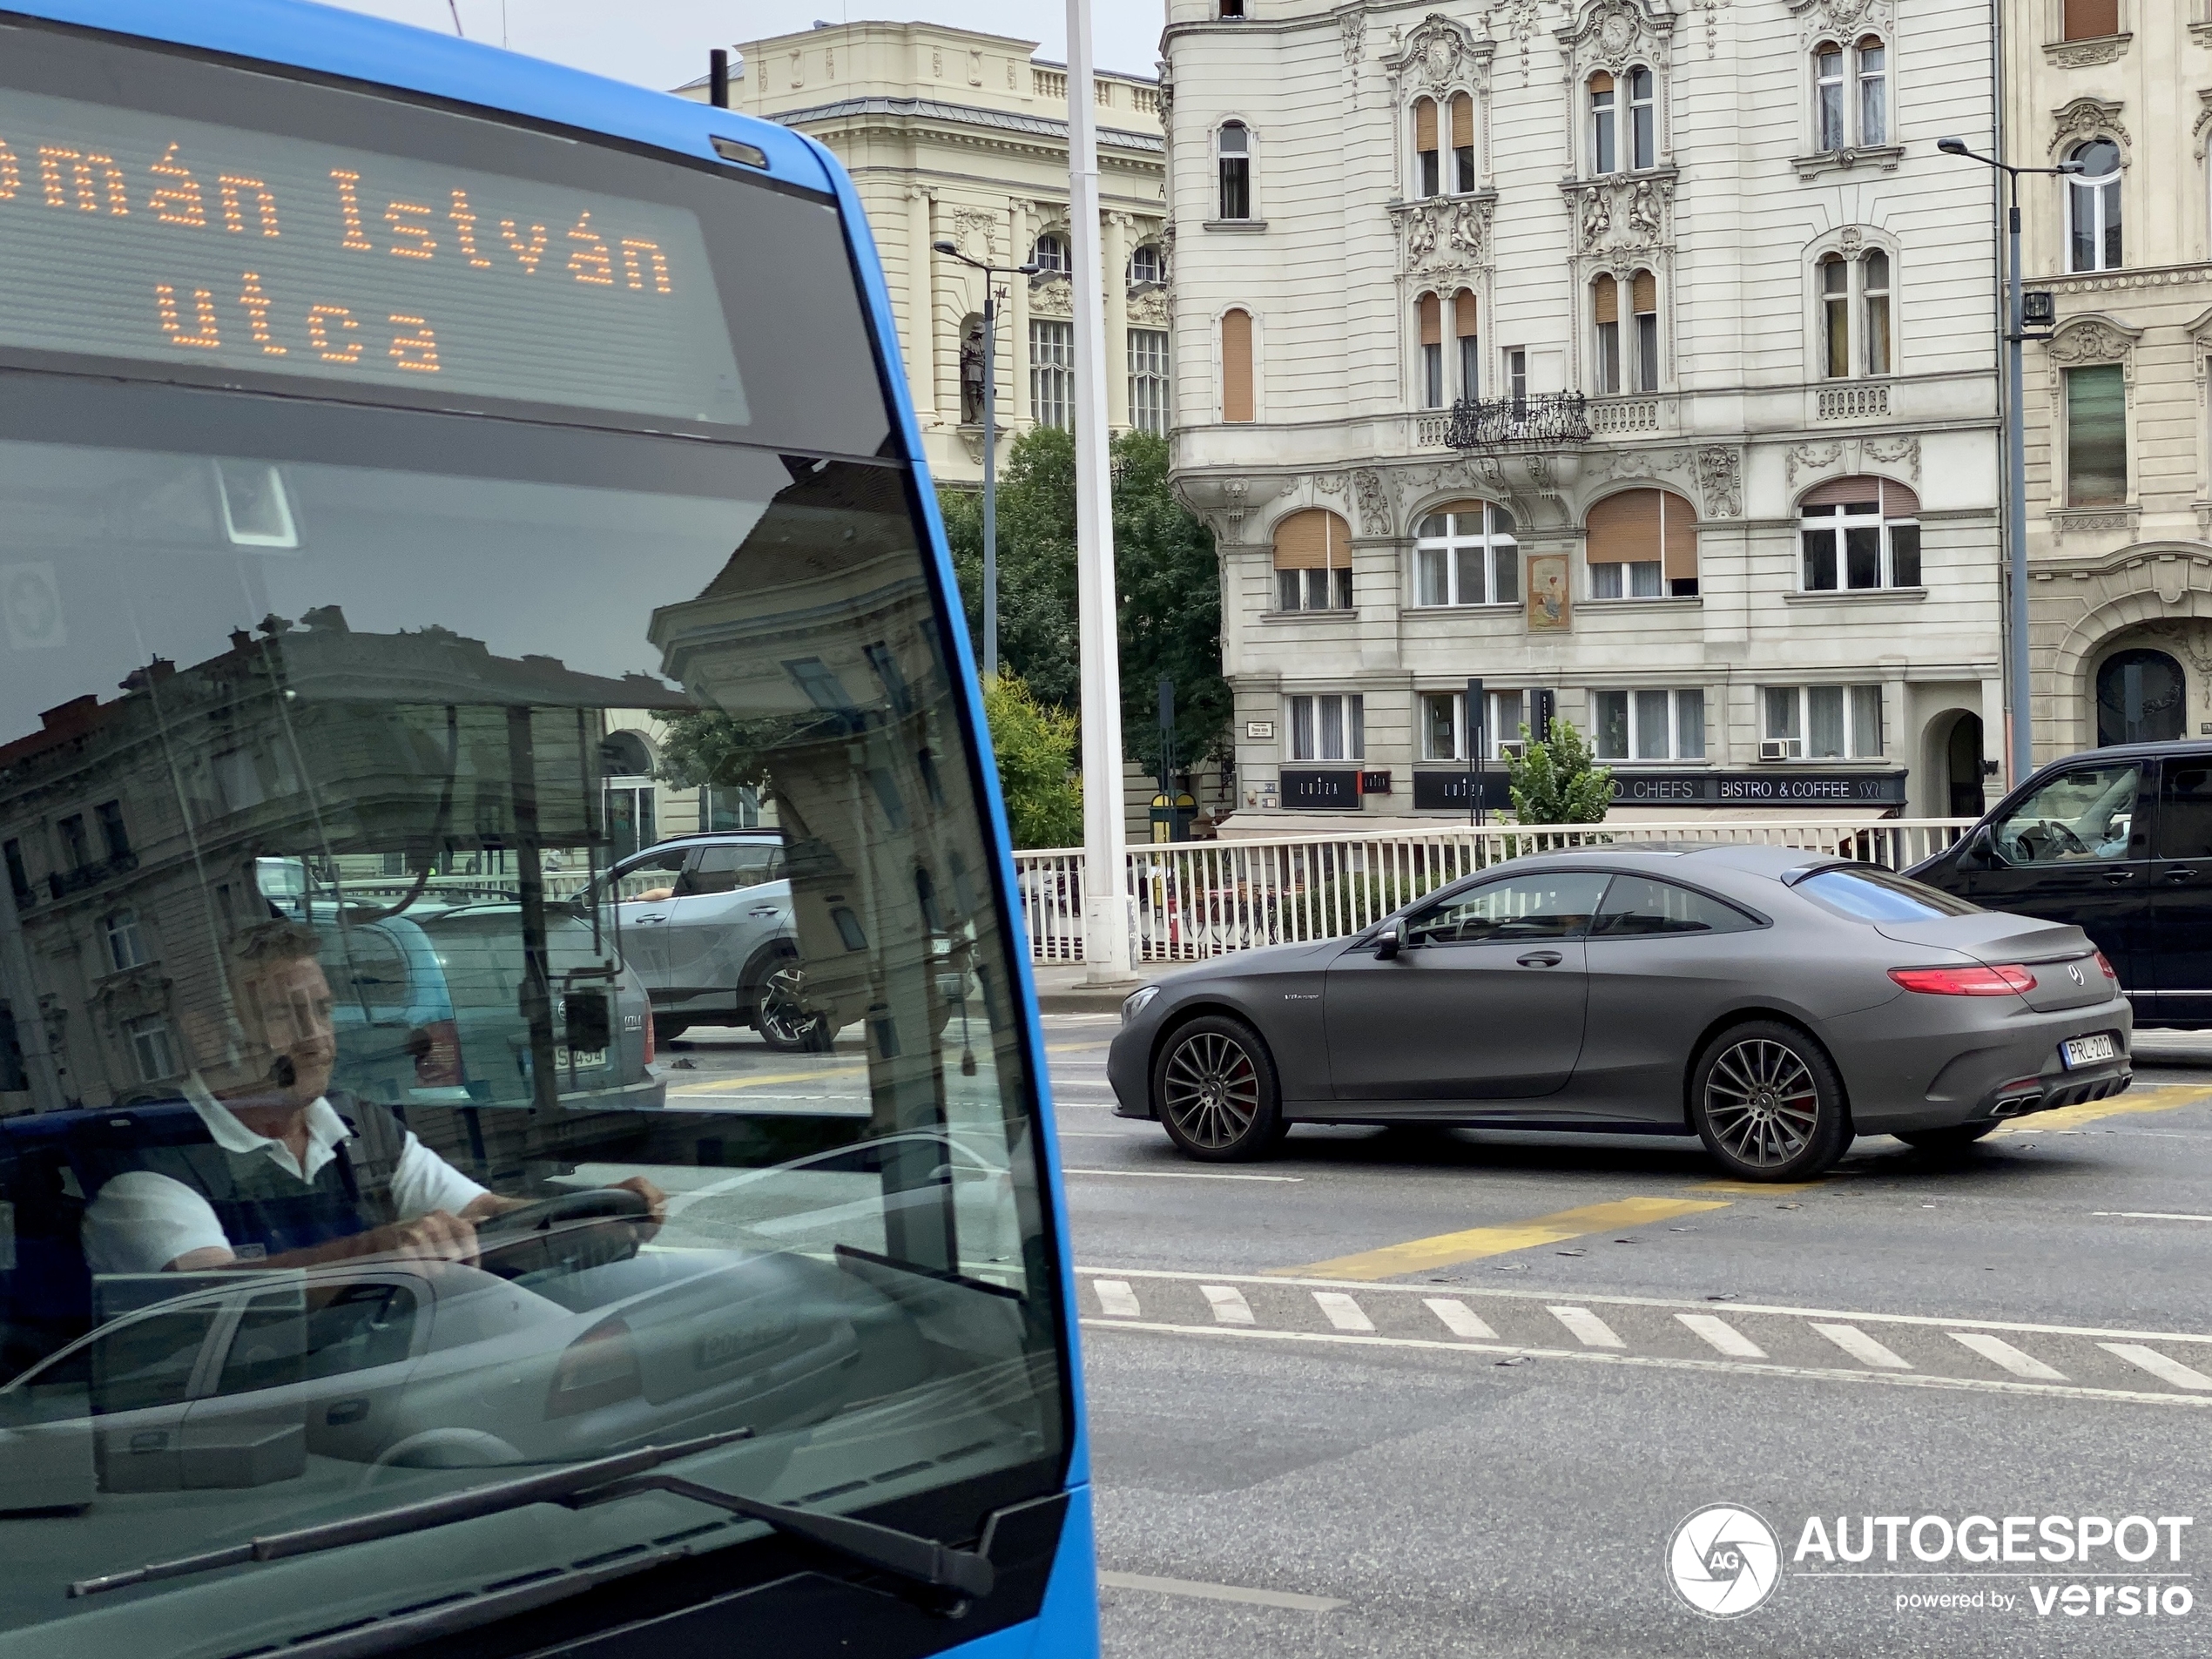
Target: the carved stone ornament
pixel 1720 480
pixel 2091 340
pixel 1627 215
pixel 1435 55
pixel 1052 300
pixel 1900 455
pixel 2086 54
pixel 1354 25
pixel 976 232
pixel 1840 17
pixel 1446 235
pixel 1611 34
pixel 2203 122
pixel 1812 457
pixel 1149 310
pixel 2088 117
pixel 1373 502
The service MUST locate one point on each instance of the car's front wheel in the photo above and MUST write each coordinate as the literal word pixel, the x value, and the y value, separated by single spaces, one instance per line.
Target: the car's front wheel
pixel 1767 1103
pixel 1215 1089
pixel 782 1016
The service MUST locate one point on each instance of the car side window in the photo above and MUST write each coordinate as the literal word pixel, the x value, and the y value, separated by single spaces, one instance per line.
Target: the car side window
pixel 1549 905
pixel 2085 814
pixel 727 869
pixel 652 875
pixel 148 1362
pixel 280 1339
pixel 1636 906
pixel 2184 827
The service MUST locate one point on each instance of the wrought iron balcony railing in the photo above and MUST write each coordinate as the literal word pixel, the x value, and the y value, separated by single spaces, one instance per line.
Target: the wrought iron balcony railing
pixel 1514 422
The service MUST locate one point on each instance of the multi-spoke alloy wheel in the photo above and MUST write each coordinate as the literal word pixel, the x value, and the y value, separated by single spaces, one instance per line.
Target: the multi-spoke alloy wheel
pixel 782 1018
pixel 1767 1103
pixel 1215 1088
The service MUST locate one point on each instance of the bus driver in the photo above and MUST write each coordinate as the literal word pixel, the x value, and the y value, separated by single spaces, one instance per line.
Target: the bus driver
pixel 278 1174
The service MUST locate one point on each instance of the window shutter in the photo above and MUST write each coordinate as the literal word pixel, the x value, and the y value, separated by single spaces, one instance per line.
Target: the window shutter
pixel 1644 292
pixel 1432 320
pixel 1608 300
pixel 2092 19
pixel 1462 121
pixel 1463 313
pixel 1625 528
pixel 1235 366
pixel 1897 501
pixel 1311 541
pixel 1678 534
pixel 1425 123
pixel 1854 492
pixel 1472 507
pixel 1600 81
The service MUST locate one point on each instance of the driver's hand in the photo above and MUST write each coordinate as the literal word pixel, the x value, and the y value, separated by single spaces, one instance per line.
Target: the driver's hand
pixel 656 1201
pixel 439 1236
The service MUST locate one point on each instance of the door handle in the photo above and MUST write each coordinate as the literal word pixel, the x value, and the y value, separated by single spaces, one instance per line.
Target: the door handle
pixel 1541 959
pixel 635 920
pixel 2119 877
pixel 770 911
pixel 2178 873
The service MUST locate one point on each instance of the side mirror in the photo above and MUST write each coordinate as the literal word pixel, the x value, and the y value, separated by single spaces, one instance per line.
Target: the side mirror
pixel 1390 941
pixel 1980 849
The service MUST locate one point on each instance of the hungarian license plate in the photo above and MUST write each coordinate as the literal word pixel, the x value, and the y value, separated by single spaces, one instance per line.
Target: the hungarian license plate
pixel 584 1059
pixel 2088 1051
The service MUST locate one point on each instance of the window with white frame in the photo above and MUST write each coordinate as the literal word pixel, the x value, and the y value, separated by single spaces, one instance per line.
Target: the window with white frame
pixel 1466 327
pixel 1462 137
pixel 1860 533
pixel 1148 379
pixel 1654 725
pixel 1855 311
pixel 2092 241
pixel 1328 726
pixel 1444 723
pixel 1643 117
pixel 1428 171
pixel 1233 148
pixel 1429 366
pixel 1825 722
pixel 1605 125
pixel 150 1048
pixel 1148 264
pixel 1050 253
pixel 1052 372
pixel 1643 303
pixel 2096 436
pixel 1313 561
pixel 1850 100
pixel 125 944
pixel 1605 312
pixel 1466 554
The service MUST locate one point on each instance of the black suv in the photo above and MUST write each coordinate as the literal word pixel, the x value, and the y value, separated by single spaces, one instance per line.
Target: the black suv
pixel 2117 841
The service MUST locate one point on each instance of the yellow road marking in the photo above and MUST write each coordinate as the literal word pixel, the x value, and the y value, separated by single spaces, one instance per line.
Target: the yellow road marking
pixel 1446 1250
pixel 2135 1101
pixel 1755 1187
pixel 1074 1047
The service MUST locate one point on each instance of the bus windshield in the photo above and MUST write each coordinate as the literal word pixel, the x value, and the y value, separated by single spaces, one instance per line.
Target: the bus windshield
pixel 504 965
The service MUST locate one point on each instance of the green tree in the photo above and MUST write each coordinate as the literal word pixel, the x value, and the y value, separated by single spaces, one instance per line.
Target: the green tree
pixel 1167 577
pixel 1036 746
pixel 1553 781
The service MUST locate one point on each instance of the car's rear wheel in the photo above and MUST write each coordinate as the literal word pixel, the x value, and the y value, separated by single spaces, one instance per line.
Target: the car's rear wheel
pixel 1768 1103
pixel 1957 1138
pixel 1215 1089
pixel 782 1017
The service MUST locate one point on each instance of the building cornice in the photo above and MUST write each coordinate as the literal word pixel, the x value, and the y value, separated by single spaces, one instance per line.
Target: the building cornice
pixel 960 115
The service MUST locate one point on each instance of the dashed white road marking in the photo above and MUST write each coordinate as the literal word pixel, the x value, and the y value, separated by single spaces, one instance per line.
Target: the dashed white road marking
pixel 1459 1319
pixel 2167 1370
pixel 1344 1313
pixel 1218 1592
pixel 1862 1347
pixel 2000 1352
pixel 2145 1215
pixel 1185 1175
pixel 1114 1297
pixel 1229 1304
pixel 1722 1335
pixel 1586 1328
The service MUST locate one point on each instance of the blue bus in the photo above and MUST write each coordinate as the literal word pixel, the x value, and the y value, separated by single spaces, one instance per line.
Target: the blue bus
pixel 415 461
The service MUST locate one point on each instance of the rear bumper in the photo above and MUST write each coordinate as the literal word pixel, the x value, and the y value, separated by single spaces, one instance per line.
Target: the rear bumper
pixel 1997 1062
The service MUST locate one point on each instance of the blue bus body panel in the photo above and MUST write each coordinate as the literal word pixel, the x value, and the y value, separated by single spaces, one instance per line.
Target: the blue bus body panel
pixel 350 46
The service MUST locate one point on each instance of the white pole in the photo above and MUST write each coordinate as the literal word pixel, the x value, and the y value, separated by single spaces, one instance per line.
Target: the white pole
pixel 1107 911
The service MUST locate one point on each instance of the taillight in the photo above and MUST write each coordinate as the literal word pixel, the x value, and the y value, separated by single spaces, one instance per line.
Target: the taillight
pixel 599 1368
pixel 2104 963
pixel 1966 981
pixel 649 1035
pixel 437 1055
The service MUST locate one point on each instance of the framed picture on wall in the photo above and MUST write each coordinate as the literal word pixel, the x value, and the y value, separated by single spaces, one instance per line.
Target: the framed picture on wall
pixel 1551 607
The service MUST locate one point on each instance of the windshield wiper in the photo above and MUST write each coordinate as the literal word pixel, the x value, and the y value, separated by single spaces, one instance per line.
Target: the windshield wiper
pixel 949 1578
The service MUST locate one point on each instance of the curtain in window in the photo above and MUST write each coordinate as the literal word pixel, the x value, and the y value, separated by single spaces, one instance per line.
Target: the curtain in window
pixel 1235 366
pixel 2096 436
pixel 1825 722
pixel 1463 142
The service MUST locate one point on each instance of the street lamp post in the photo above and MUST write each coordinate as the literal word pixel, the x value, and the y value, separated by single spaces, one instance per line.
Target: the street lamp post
pixel 990 443
pixel 2019 712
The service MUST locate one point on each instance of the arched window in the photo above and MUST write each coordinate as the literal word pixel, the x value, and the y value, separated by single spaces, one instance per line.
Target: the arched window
pixel 2140 698
pixel 1148 264
pixel 1604 153
pixel 1233 144
pixel 1855 315
pixel 1313 561
pixel 1050 253
pixel 1462 142
pixel 1430 371
pixel 1850 105
pixel 1642 544
pixel 1236 365
pixel 1643 119
pixel 1465 554
pixel 1643 296
pixel 2093 208
pixel 1860 533
pixel 1465 326
pixel 1605 311
pixel 1427 175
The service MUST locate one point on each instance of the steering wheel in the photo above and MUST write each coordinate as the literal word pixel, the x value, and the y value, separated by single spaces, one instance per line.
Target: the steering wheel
pixel 2064 839
pixel 570 1231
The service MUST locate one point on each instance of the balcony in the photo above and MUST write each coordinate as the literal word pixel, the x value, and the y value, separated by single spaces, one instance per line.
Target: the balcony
pixel 62 883
pixel 1490 424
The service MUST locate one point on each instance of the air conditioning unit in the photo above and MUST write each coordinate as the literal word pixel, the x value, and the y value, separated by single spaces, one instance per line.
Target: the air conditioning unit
pixel 1512 748
pixel 1782 748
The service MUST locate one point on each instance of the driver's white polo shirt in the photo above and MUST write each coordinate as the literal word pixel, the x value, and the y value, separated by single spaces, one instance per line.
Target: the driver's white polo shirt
pixel 141 1222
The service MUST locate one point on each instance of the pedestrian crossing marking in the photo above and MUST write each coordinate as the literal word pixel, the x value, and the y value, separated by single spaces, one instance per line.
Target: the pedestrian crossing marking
pixel 1722 1335
pixel 1459 1319
pixel 1586 1328
pixel 1228 1303
pixel 1862 1347
pixel 1344 1313
pixel 1999 1351
pixel 2167 1371
pixel 1115 1298
pixel 1448 1250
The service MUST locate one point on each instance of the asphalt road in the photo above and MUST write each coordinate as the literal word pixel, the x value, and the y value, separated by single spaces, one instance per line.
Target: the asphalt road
pixel 1454 1394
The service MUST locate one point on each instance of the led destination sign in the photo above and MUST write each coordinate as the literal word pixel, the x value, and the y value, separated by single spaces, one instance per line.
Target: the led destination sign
pixel 136 236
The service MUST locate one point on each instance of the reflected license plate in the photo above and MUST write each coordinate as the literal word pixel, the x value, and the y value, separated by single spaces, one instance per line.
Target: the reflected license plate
pixel 584 1059
pixel 2088 1051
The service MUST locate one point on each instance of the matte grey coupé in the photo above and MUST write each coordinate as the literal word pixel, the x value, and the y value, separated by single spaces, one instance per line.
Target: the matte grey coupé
pixel 1772 1001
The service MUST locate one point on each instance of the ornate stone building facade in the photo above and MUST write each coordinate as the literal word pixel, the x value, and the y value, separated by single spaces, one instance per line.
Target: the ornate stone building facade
pixel 960 136
pixel 1633 358
pixel 2119 445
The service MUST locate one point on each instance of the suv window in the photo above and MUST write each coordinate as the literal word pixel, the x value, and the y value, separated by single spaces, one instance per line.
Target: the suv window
pixel 2185 811
pixel 2087 813
pixel 1555 905
pixel 1636 904
pixel 725 867
pixel 366 967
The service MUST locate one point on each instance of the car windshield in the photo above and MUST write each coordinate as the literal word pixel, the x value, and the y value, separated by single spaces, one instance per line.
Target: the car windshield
pixel 1868 893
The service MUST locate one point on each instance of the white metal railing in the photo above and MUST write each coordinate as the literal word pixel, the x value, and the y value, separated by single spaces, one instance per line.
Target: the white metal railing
pixel 1201 899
